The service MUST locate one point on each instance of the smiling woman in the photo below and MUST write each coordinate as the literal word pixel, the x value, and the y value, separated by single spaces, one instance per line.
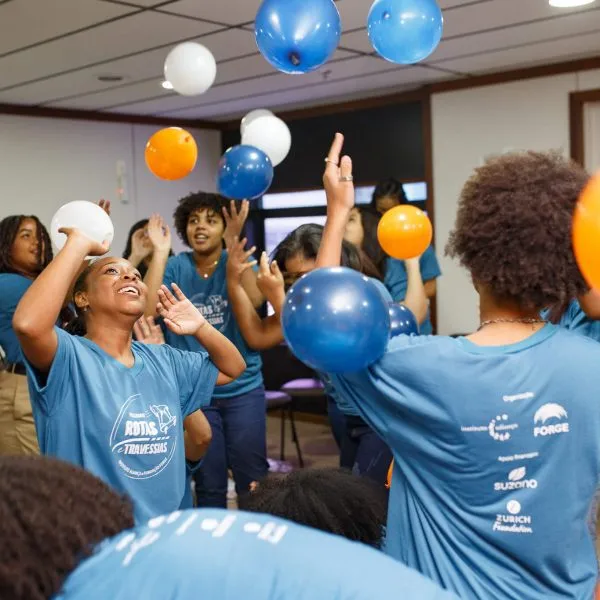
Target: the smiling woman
pixel 25 250
pixel 111 405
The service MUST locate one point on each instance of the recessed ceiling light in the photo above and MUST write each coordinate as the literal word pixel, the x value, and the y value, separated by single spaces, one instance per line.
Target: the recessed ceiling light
pixel 569 3
pixel 167 85
pixel 110 78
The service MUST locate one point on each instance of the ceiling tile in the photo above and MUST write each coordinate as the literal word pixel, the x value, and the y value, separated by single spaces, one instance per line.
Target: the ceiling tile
pixel 28 22
pixel 84 85
pixel 535 54
pixel 334 91
pixel 573 24
pixel 486 16
pixel 222 11
pixel 110 41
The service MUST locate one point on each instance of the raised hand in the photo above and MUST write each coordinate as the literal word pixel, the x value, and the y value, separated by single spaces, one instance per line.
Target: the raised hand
pixel 179 314
pixel 159 234
pixel 237 259
pixel 270 280
pixel 141 247
pixel 90 247
pixel 337 179
pixel 147 331
pixel 234 221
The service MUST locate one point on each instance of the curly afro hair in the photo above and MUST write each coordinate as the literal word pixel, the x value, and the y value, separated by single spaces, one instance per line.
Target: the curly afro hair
pixel 332 500
pixel 513 228
pixel 52 514
pixel 195 202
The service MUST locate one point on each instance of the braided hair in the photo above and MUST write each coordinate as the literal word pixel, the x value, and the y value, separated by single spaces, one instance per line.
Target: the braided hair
pixel 52 515
pixel 9 227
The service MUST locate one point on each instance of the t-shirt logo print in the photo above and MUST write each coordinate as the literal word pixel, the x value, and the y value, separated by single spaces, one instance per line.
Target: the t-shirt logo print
pixel 143 438
pixel 214 308
pixel 557 416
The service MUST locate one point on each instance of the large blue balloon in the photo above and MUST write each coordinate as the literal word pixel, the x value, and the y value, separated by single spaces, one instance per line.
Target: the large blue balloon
pixel 297 36
pixel 405 31
pixel 245 172
pixel 402 320
pixel 335 320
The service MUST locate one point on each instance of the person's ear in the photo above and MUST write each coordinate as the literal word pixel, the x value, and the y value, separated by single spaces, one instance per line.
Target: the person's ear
pixel 81 301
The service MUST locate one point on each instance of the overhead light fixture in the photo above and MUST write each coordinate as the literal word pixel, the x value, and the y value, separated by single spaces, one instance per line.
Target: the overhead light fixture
pixel 569 3
pixel 167 85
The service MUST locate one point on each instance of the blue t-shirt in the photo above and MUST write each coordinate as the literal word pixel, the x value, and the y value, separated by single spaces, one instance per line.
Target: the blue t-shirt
pixel 497 458
pixel 396 279
pixel 346 407
pixel 576 320
pixel 12 289
pixel 225 555
pixel 210 297
pixel 123 424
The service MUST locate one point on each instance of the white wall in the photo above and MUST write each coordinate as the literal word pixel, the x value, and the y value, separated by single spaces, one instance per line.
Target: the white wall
pixel 45 163
pixel 469 125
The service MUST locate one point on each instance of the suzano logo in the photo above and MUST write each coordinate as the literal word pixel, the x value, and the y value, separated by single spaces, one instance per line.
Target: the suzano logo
pixel 516 481
pixel 557 416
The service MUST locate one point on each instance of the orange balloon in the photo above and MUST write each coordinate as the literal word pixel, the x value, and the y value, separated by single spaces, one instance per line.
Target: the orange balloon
pixel 586 232
pixel 171 153
pixel 404 232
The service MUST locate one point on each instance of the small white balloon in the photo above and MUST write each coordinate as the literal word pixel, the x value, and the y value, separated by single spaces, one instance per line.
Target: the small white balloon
pixel 88 217
pixel 190 68
pixel 271 135
pixel 252 115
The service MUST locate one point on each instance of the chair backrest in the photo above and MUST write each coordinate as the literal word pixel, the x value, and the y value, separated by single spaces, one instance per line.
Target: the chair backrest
pixel 281 366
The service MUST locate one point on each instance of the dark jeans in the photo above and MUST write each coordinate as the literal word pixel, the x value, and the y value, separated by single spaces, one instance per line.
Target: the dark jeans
pixel 364 452
pixel 238 443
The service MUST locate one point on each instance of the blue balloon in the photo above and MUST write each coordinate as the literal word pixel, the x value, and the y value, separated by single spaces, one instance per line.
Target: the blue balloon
pixel 405 31
pixel 245 172
pixel 335 320
pixel 402 320
pixel 297 36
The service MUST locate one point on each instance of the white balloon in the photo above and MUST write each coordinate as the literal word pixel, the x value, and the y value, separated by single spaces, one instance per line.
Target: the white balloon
pixel 271 135
pixel 190 68
pixel 254 114
pixel 88 217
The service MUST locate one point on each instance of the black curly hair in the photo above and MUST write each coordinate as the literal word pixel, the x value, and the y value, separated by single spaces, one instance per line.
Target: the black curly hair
pixel 52 514
pixel 192 203
pixel 388 188
pixel 332 500
pixel 513 228
pixel 306 239
pixel 9 227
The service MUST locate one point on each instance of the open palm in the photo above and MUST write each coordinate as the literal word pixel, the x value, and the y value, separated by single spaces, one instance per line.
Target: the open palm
pixel 179 314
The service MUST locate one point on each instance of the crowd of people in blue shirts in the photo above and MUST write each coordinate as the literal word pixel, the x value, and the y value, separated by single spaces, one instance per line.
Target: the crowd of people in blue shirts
pixel 131 387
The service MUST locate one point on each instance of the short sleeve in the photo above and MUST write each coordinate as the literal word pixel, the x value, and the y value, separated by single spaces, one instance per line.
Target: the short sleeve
pixel 385 391
pixel 49 390
pixel 196 378
pixel 430 268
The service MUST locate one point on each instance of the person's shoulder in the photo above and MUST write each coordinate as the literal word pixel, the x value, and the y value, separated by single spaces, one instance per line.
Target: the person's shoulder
pixel 14 281
pixel 181 260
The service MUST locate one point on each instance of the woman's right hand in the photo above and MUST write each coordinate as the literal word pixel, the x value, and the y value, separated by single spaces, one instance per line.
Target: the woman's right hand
pixel 141 246
pixel 337 180
pixel 159 234
pixel 89 247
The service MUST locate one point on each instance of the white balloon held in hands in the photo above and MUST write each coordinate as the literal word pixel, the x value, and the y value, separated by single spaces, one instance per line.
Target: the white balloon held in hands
pixel 87 217
pixel 190 68
pixel 271 135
